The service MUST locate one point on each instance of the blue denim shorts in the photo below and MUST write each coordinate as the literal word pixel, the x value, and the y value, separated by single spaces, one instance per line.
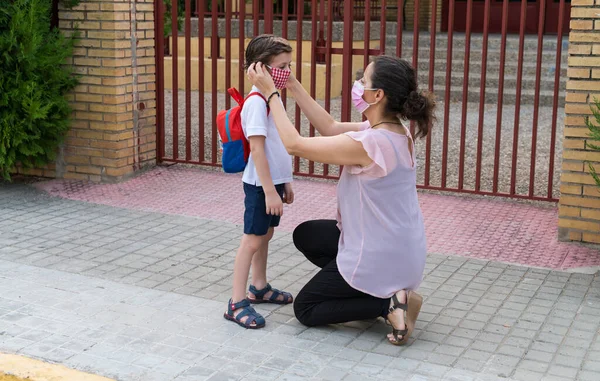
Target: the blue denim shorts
pixel 256 219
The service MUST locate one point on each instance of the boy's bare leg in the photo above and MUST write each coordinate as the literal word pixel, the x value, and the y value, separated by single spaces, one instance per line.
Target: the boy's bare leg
pixel 248 247
pixel 259 262
pixel 259 267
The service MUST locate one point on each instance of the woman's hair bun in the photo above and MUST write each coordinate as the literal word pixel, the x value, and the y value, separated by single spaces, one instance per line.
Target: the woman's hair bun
pixel 415 105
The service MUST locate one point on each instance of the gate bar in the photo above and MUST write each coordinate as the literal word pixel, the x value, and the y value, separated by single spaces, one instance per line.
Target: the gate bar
pixel 416 51
pixel 382 27
pixel 500 96
pixel 228 5
pixel 284 34
pixel 465 99
pixel 298 116
pixel 367 33
pixel 268 16
pixel 200 4
pixel 160 78
pixel 561 15
pixel 486 30
pixel 536 102
pixel 347 60
pixel 214 55
pixel 328 46
pixel 188 80
pixel 400 27
pixel 447 93
pixel 515 149
pixel 313 71
pixel 242 39
pixel 255 16
pixel 432 46
pixel 175 88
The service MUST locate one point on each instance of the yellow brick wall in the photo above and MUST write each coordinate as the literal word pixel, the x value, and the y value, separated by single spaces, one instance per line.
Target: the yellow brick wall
pixel 579 209
pixel 113 129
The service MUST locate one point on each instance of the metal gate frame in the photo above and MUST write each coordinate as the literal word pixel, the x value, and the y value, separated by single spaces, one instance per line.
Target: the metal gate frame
pixel 322 12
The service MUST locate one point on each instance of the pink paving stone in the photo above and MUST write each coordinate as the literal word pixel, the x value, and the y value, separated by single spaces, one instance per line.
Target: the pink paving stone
pixel 490 229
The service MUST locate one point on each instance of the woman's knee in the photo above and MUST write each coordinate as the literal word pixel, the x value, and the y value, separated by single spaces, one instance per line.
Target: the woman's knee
pixel 300 235
pixel 302 310
pixel 302 315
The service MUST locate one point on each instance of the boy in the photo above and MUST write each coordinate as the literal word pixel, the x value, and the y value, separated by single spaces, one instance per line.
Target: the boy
pixel 267 184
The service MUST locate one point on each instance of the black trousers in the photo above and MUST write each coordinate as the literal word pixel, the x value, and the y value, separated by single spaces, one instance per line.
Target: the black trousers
pixel 328 298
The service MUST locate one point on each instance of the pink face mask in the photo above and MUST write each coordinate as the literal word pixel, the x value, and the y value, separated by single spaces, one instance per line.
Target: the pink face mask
pixel 358 90
pixel 280 76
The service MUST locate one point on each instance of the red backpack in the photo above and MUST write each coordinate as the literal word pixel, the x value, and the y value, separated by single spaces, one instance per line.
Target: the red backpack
pixel 234 145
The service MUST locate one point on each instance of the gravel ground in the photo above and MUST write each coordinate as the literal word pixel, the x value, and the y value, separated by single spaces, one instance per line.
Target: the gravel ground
pixel 454 137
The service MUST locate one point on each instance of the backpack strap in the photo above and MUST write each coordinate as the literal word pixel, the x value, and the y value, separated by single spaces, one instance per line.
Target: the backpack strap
pixel 235 94
pixel 260 95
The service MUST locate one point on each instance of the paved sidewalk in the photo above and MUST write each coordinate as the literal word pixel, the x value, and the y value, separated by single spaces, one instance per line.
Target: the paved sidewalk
pixel 138 295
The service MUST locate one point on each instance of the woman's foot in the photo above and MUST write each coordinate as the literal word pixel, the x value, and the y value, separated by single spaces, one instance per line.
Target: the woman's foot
pixel 269 295
pixel 403 303
pixel 244 315
pixel 396 317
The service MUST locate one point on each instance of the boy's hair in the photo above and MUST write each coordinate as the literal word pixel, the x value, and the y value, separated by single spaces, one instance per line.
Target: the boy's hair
pixel 264 47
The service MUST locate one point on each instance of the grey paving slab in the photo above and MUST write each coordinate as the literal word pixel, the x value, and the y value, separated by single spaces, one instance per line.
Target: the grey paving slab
pixel 139 296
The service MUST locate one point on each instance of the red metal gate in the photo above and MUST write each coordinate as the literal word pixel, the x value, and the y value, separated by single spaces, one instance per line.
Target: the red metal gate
pixel 532 14
pixel 486 138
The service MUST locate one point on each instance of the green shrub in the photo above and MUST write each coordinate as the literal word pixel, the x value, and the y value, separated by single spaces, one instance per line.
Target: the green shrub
pixel 34 113
pixel 168 17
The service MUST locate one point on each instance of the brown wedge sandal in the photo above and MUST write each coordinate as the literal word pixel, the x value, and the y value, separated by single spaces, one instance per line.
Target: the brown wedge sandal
pixel 412 309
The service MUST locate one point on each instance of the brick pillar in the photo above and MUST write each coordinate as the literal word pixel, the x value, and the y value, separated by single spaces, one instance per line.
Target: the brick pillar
pixel 113 132
pixel 579 210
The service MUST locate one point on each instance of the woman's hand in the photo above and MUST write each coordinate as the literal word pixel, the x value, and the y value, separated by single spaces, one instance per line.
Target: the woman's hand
pixel 288 193
pixel 291 82
pixel 260 77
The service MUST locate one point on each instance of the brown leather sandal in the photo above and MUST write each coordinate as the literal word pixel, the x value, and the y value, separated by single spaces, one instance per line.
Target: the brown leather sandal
pixel 412 309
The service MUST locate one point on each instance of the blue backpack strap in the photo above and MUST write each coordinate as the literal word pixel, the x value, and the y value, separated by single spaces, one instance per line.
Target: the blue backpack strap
pixel 227 125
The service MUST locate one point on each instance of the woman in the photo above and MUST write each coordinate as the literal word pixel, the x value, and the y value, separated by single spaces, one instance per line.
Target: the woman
pixel 372 258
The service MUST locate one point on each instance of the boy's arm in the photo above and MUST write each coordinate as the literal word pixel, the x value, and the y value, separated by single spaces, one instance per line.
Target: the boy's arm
pixel 272 199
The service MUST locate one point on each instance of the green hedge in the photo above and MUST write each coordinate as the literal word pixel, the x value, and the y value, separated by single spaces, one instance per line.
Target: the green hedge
pixel 34 113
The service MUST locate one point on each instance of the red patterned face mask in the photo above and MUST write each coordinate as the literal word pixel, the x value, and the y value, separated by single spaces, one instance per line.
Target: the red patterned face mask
pixel 280 76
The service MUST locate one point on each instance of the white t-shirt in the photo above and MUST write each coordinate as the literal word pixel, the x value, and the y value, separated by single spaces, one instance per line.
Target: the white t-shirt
pixel 255 122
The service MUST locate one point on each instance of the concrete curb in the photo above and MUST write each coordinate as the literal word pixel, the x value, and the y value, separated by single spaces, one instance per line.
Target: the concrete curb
pixel 35 370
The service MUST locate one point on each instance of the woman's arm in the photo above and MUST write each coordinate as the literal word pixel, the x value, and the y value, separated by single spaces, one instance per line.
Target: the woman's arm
pixel 318 117
pixel 339 149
